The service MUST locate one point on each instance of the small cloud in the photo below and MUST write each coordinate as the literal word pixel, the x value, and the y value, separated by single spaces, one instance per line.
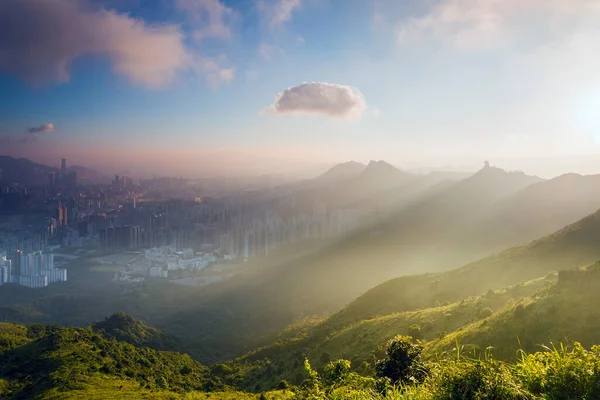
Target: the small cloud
pixel 278 12
pixel 211 18
pixel 329 99
pixel 49 127
pixel 376 112
pixel 300 40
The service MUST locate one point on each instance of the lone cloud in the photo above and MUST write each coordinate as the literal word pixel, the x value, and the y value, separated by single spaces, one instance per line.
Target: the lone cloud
pixel 49 127
pixel 320 98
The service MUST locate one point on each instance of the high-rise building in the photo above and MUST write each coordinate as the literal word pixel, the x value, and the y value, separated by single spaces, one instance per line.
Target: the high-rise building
pixel 63 169
pixel 52 179
pixel 63 220
pixel 17 258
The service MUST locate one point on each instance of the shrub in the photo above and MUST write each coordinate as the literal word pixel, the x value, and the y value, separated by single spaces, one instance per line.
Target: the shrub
pixel 335 372
pixel 476 380
pixel 403 363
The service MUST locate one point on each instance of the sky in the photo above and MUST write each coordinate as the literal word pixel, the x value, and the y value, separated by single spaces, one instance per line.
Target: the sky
pixel 201 87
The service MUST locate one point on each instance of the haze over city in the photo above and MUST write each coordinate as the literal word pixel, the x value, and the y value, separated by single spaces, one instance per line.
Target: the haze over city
pixel 203 87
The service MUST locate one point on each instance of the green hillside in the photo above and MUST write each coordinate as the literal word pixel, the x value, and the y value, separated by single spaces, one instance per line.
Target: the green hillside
pixel 53 362
pixel 572 246
pixel 566 311
pixel 362 342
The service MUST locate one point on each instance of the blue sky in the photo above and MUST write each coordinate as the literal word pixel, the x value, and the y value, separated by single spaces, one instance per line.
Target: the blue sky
pixel 154 82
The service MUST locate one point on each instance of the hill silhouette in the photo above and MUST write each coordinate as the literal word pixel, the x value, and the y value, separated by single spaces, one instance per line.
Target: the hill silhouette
pixel 346 170
pixel 28 172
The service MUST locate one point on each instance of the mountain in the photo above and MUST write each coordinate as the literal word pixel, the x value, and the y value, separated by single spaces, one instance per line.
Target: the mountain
pixel 539 209
pixel 512 300
pixel 350 169
pixel 49 360
pixel 263 300
pixel 30 173
pixel 124 328
pixel 572 246
pixel 24 171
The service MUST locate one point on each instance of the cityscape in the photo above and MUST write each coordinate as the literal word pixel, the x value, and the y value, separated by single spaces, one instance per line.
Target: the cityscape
pixel 206 226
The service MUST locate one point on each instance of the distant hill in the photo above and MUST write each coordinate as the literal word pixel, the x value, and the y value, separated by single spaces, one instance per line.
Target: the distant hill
pixel 125 328
pixel 350 184
pixel 350 169
pixel 539 209
pixel 572 246
pixel 28 172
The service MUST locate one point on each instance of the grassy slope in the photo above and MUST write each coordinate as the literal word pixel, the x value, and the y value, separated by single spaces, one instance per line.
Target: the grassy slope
pixel 566 311
pixel 575 245
pixel 51 362
pixel 362 342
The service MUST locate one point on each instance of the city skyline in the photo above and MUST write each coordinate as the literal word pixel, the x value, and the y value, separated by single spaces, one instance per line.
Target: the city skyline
pixel 195 87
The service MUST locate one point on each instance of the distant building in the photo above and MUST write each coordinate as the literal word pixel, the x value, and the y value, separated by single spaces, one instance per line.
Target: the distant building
pixel 33 281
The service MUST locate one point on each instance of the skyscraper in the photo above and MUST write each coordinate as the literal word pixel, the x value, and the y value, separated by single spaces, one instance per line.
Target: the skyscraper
pixel 63 170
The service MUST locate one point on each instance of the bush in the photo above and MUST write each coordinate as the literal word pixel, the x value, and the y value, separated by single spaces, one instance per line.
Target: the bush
pixel 476 380
pixel 335 372
pixel 563 372
pixel 403 363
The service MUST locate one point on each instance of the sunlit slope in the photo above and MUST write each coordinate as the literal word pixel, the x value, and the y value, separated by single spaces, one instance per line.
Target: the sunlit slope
pixel 566 311
pixel 362 342
pixel 575 245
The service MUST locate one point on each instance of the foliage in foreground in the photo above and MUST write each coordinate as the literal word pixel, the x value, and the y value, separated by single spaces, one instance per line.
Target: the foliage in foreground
pixel 555 373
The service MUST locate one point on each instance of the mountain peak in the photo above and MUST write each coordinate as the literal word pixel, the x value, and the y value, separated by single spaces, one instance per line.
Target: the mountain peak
pixel 348 169
pixel 380 167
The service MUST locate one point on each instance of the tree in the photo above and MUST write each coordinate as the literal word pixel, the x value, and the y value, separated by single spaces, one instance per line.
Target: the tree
pixel 335 373
pixel 403 363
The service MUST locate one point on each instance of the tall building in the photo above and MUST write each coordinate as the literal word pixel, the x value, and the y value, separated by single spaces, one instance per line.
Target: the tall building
pixel 63 169
pixel 63 220
pixel 52 179
pixel 5 269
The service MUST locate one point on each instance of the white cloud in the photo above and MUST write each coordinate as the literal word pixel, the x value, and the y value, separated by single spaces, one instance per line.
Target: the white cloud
pixel 320 98
pixel 212 17
pixel 492 24
pixel 278 12
pixel 40 39
pixel 49 127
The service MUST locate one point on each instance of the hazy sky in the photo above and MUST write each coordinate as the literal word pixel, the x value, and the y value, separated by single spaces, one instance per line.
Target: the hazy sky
pixel 188 85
